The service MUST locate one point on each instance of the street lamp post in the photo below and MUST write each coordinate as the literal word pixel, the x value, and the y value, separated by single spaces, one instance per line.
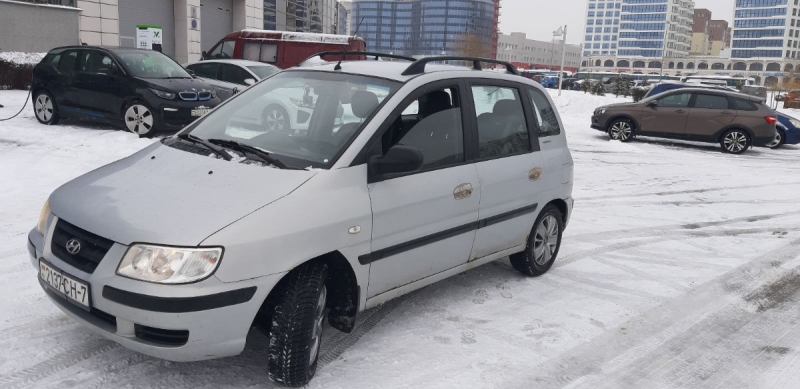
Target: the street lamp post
pixel 664 49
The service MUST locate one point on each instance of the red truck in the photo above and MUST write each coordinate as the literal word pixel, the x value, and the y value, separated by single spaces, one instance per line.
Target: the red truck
pixel 280 48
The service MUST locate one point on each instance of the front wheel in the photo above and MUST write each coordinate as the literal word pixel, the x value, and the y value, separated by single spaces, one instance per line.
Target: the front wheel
pixel 296 325
pixel 45 108
pixel 139 119
pixel 543 244
pixel 621 130
pixel 735 141
pixel 275 118
pixel 780 139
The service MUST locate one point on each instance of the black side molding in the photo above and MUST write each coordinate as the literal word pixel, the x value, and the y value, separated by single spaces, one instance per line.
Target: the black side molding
pixel 178 304
pixel 442 235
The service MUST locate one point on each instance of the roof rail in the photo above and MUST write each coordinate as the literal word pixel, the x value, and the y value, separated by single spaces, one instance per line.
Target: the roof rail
pixel 418 67
pixel 362 53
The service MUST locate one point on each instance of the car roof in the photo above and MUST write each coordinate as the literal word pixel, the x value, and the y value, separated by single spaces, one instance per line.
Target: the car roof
pixel 392 70
pixel 99 47
pixel 722 91
pixel 240 62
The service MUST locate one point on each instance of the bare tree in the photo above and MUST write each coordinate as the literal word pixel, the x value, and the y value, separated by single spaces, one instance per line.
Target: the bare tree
pixel 472 45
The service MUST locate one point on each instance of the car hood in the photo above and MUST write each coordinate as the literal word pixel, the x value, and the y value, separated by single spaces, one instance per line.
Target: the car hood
pixel 166 196
pixel 178 84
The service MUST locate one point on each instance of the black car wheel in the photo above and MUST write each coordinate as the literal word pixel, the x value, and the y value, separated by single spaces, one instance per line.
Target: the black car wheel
pixel 139 119
pixel 780 140
pixel 621 130
pixel 45 108
pixel 735 141
pixel 296 319
pixel 543 244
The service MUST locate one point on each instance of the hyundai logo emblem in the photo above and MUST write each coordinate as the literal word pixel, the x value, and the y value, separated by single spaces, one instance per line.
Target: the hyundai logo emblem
pixel 73 246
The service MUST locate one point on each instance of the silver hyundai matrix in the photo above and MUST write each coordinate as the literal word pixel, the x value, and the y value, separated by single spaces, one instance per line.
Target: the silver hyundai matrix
pixel 405 174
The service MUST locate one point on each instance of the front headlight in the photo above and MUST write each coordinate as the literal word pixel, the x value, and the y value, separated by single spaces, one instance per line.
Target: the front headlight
pixel 162 94
pixel 795 123
pixel 169 265
pixel 600 111
pixel 42 225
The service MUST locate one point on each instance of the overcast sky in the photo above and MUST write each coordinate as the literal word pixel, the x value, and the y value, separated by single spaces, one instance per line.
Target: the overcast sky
pixel 539 18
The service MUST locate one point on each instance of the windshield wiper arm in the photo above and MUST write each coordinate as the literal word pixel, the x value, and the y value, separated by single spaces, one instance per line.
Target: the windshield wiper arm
pixel 243 147
pixel 214 148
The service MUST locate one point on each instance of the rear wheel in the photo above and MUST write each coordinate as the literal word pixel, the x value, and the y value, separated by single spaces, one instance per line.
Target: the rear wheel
pixel 139 119
pixel 780 139
pixel 543 244
pixel 735 141
pixel 296 325
pixel 45 108
pixel 621 130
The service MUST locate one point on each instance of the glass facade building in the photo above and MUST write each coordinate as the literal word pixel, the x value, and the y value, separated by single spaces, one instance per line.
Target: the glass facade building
pixel 423 27
pixel 765 29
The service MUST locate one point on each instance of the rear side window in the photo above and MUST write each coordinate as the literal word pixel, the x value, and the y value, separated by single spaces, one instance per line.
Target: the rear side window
pixel 262 52
pixel 223 51
pixel 233 74
pixel 54 60
pixel 501 121
pixel 67 64
pixel 744 105
pixel 205 70
pixel 710 101
pixel 545 114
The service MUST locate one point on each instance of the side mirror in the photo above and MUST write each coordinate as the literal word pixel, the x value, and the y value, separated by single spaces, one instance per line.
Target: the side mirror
pixel 191 72
pixel 653 104
pixel 399 159
pixel 249 81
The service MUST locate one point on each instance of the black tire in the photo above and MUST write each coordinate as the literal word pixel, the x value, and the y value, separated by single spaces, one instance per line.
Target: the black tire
pixel 622 130
pixel 529 262
pixel 293 350
pixel 780 140
pixel 145 120
pixel 45 108
pixel 270 119
pixel 735 141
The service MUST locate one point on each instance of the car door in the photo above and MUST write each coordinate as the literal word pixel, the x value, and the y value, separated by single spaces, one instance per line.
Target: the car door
pixel 97 80
pixel 210 72
pixel 510 165
pixel 710 113
pixel 667 117
pixel 64 91
pixel 232 78
pixel 424 223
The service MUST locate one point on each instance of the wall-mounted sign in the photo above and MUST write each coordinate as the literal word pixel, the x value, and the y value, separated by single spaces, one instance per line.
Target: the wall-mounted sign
pixel 148 35
pixel 193 23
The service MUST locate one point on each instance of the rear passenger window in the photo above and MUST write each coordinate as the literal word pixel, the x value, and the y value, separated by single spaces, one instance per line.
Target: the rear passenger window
pixel 545 114
pixel 262 52
pixel 67 64
pixel 205 70
pixel 501 121
pixel 710 101
pixel 434 129
pixel 54 60
pixel 234 74
pixel 744 105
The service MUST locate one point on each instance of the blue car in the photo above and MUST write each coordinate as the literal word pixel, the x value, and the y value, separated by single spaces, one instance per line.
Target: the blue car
pixel 549 82
pixel 788 131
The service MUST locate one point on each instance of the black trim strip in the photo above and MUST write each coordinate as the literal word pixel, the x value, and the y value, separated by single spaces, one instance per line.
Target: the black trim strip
pixel 178 304
pixel 442 235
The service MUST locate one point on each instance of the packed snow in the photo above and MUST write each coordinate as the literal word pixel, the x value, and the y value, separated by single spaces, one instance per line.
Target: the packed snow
pixel 20 58
pixel 680 268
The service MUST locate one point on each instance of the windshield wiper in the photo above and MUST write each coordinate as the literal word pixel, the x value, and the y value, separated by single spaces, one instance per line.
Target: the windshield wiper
pixel 214 148
pixel 245 148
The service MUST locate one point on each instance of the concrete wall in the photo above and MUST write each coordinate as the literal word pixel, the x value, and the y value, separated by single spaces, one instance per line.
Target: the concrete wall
pixel 187 40
pixel 99 22
pixel 34 28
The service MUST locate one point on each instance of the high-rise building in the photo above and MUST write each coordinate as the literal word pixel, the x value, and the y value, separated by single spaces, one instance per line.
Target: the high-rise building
pixel 709 36
pixel 765 29
pixel 427 27
pixel 301 15
pixel 527 53
pixel 638 28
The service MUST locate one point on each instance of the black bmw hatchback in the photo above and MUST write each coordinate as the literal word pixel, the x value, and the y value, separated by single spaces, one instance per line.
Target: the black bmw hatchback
pixel 143 90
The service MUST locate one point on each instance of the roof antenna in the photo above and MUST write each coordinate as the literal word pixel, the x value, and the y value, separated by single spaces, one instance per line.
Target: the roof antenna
pixel 344 54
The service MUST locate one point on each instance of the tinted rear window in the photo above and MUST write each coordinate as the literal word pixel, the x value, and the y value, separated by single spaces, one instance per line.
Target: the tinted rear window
pixel 711 101
pixel 744 105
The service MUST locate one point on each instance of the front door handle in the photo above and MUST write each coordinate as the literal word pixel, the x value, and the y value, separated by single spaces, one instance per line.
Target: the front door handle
pixel 680 111
pixel 462 191
pixel 727 112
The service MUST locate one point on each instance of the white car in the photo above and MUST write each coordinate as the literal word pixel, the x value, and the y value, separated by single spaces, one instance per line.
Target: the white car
pixel 436 170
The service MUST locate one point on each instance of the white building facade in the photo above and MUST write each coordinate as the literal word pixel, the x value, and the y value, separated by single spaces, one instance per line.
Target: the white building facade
pixel 527 53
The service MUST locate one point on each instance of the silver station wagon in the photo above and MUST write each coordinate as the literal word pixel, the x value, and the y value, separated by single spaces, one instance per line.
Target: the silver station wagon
pixel 404 174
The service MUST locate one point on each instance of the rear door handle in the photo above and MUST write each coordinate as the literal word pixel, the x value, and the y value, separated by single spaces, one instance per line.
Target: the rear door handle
pixel 462 191
pixel 727 112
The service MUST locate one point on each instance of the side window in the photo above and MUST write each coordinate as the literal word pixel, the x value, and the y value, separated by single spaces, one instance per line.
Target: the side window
pixel 225 50
pixel 743 105
pixel 95 62
pixel 545 114
pixel 233 74
pixel 434 129
pixel 67 64
pixel 710 101
pixel 501 121
pixel 205 70
pixel 678 100
pixel 269 53
pixel 54 60
pixel 251 51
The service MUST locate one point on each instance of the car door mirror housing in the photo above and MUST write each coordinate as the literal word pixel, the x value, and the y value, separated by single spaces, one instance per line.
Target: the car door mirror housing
pixel 398 159
pixel 653 104
pixel 191 73
pixel 250 81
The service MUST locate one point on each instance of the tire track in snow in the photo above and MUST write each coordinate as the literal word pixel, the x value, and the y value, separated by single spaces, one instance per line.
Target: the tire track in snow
pixel 676 192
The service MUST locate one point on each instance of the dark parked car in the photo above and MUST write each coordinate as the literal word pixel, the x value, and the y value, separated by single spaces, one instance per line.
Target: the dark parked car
pixel 568 83
pixel 788 131
pixel 143 90
pixel 735 120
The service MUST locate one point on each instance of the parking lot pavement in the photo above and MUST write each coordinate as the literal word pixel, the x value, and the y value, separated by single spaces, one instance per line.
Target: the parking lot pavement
pixel 680 268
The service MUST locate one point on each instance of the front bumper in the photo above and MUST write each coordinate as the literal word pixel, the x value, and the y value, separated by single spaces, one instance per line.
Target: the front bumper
pixel 176 114
pixel 204 320
pixel 599 122
pixel 792 137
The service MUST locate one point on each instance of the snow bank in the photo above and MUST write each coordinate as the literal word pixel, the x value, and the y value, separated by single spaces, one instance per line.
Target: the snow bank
pixel 20 58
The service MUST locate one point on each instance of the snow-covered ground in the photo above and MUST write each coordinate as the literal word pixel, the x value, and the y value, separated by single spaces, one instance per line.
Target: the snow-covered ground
pixel 680 268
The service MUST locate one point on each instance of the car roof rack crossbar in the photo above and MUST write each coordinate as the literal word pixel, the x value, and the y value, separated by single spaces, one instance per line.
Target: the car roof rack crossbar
pixel 418 67
pixel 361 53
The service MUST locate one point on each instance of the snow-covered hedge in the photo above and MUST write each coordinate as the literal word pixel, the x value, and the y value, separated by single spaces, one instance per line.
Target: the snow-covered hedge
pixel 16 69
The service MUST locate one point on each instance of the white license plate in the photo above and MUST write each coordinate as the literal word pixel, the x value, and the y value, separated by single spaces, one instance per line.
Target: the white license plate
pixel 200 111
pixel 69 287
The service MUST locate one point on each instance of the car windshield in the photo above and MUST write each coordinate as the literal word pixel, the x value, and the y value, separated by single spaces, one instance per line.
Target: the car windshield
pixel 302 118
pixel 151 64
pixel 263 71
